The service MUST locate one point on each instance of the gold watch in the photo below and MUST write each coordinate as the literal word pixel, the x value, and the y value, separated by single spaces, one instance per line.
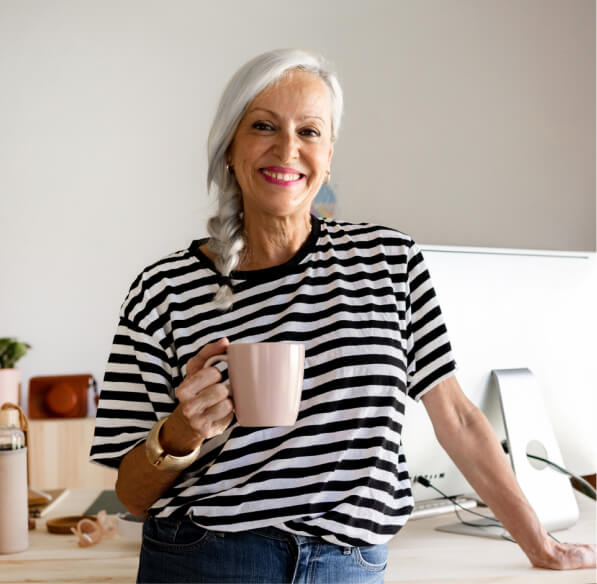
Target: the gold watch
pixel 161 459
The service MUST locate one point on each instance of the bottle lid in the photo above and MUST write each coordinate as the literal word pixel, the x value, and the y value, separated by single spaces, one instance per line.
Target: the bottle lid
pixel 11 438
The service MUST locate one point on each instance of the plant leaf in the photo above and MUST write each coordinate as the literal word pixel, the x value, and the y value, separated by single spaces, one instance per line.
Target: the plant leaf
pixel 11 351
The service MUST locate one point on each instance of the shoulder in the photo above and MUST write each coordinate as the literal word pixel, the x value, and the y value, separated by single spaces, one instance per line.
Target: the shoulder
pixel 166 268
pixel 168 274
pixel 366 235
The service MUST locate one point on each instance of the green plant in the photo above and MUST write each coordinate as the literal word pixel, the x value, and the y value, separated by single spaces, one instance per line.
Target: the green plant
pixel 11 351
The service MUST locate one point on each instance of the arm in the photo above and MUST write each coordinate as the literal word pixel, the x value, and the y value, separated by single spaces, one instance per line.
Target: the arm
pixel 204 410
pixel 466 435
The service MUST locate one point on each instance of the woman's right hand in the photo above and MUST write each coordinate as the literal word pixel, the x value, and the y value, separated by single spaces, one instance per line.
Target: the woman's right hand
pixel 204 409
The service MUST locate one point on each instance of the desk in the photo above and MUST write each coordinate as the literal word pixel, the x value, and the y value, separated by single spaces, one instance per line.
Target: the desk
pixel 58 558
pixel 418 555
pixel 421 555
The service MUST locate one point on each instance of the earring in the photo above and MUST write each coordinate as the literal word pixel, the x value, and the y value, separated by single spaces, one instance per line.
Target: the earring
pixel 327 177
pixel 230 169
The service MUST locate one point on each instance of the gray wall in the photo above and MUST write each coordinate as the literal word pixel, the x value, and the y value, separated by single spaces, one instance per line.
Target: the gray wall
pixel 458 112
pixel 472 122
pixel 468 122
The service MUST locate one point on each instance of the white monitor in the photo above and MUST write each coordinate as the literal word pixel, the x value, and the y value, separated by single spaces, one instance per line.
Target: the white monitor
pixel 508 309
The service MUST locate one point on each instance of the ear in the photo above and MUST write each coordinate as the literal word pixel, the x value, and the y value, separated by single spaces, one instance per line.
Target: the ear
pixel 330 153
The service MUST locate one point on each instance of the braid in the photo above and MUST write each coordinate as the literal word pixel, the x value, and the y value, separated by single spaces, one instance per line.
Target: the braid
pixel 226 242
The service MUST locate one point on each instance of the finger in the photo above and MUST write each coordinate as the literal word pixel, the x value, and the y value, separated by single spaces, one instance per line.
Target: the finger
pixel 205 399
pixel 196 362
pixel 214 420
pixel 583 556
pixel 575 556
pixel 194 384
pixel 223 424
pixel 569 556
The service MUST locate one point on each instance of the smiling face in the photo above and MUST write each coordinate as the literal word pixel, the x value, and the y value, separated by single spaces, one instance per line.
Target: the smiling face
pixel 282 148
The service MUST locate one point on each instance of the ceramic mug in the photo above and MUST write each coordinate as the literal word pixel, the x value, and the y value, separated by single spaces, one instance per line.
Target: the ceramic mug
pixel 266 381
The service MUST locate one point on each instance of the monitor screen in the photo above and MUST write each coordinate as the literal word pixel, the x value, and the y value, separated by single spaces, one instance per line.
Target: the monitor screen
pixel 504 310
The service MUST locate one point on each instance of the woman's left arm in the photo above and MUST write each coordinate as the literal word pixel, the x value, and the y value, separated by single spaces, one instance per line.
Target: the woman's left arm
pixel 468 438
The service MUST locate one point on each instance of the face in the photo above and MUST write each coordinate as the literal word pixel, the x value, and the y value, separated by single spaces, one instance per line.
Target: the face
pixel 282 148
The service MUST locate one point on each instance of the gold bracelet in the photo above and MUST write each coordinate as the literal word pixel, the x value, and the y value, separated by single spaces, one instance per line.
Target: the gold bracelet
pixel 161 459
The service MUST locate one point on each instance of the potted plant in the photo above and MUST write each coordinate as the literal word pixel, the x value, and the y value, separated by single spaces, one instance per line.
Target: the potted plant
pixel 11 351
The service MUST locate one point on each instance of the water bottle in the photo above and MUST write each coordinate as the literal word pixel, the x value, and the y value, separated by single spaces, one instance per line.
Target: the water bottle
pixel 14 514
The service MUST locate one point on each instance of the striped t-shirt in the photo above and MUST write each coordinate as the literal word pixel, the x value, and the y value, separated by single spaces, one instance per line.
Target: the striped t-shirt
pixel 360 299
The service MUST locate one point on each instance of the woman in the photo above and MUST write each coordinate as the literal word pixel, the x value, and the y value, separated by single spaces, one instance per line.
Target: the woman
pixel 320 500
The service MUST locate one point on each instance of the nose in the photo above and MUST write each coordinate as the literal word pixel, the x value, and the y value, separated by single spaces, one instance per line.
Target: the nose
pixel 287 146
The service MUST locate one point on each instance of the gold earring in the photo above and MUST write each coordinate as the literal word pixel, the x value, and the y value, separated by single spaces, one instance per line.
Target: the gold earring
pixel 327 177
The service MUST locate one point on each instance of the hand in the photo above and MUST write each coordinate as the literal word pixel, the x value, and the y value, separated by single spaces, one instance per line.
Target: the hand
pixel 567 556
pixel 204 409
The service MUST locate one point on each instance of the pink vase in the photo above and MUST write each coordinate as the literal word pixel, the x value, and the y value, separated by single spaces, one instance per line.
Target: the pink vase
pixel 10 381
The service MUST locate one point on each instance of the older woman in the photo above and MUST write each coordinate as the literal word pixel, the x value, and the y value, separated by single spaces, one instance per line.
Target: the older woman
pixel 318 501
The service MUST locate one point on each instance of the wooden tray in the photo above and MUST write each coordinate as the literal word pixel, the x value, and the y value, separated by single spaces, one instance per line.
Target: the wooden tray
pixel 62 525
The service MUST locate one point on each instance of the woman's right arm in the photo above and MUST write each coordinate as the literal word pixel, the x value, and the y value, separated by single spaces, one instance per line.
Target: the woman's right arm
pixel 204 410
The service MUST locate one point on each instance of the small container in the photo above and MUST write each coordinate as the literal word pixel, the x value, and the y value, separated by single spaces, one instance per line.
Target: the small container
pixel 14 515
pixel 130 527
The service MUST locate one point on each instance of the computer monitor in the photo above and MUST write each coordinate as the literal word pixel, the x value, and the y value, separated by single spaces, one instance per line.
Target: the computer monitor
pixel 509 309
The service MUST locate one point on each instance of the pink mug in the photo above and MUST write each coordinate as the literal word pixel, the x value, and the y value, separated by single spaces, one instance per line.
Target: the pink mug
pixel 266 381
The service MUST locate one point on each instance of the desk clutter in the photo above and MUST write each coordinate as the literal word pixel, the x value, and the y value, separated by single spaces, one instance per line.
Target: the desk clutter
pixel 108 501
pixel 62 396
pixel 65 525
pixel 104 517
pixel 14 526
pixel 58 430
pixel 19 501
pixel 40 503
pixel 128 526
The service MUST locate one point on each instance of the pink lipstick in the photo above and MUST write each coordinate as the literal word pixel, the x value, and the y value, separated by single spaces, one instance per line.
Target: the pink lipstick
pixel 281 175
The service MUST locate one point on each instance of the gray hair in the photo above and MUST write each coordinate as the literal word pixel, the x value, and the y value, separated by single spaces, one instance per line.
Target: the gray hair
pixel 225 228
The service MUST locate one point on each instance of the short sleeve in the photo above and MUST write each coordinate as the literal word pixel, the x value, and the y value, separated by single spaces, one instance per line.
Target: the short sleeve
pixel 136 392
pixel 429 353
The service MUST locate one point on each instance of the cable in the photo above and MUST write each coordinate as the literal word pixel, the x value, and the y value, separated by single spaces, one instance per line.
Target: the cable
pixel 583 486
pixel 426 483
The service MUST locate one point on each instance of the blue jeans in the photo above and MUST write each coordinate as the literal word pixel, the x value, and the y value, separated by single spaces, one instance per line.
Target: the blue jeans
pixel 178 550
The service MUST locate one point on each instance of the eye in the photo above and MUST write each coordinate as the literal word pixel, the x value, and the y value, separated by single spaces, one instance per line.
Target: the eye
pixel 264 126
pixel 309 132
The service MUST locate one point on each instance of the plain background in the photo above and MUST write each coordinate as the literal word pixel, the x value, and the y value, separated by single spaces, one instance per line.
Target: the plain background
pixel 467 123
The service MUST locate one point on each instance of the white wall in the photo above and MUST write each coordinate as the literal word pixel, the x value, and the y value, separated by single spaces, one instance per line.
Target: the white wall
pixel 104 113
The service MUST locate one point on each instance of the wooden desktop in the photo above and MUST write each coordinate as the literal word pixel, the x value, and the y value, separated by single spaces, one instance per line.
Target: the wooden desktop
pixel 418 554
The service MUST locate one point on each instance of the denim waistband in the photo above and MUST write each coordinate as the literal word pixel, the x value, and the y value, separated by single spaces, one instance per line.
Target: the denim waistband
pixel 276 533
pixel 281 535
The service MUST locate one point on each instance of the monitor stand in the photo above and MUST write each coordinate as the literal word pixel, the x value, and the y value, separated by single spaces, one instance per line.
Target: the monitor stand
pixel 478 527
pixel 528 430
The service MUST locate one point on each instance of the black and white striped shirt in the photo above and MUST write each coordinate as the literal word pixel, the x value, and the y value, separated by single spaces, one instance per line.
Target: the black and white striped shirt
pixel 360 299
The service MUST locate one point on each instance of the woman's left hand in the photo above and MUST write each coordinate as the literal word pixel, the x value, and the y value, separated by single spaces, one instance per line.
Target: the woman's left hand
pixel 567 556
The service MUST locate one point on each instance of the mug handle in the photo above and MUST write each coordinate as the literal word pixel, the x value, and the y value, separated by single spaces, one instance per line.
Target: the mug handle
pixel 214 359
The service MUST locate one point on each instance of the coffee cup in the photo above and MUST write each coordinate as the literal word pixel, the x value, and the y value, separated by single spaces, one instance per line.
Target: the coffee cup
pixel 266 381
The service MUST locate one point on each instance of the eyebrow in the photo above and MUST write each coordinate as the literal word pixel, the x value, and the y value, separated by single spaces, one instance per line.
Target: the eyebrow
pixel 274 114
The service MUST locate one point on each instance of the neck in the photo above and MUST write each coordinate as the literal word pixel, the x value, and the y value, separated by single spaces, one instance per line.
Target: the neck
pixel 274 241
